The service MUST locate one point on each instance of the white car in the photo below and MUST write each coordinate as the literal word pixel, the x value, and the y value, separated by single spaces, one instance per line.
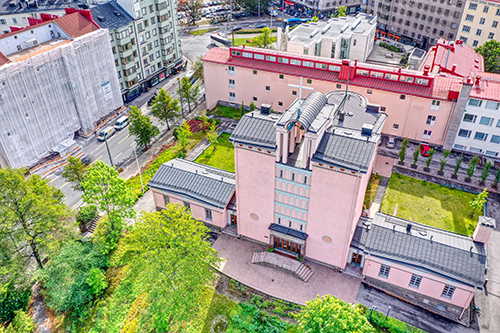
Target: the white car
pixel 391 142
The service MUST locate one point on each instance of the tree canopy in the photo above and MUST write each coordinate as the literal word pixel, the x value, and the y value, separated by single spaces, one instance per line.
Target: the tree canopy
pixel 192 7
pixel 189 92
pixel 264 40
pixel 167 253
pixel 328 314
pixel 74 173
pixel 165 108
pixel 253 5
pixel 141 127
pixel 491 53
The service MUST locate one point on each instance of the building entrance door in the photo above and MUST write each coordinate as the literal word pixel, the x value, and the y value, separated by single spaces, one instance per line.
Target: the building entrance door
pixel 356 259
pixel 234 220
pixel 286 245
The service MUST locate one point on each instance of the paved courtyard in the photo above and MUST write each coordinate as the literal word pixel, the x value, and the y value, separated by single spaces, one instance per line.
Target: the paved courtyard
pixel 238 255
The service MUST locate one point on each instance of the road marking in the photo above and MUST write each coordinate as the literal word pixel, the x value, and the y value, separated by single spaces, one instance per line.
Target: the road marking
pixel 77 204
pixel 54 179
pixel 118 155
pixel 123 139
pixel 63 185
pixel 97 159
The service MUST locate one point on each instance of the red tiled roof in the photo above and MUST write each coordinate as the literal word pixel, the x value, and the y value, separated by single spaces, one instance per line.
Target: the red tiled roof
pixel 438 89
pixel 450 54
pixel 3 59
pixel 76 24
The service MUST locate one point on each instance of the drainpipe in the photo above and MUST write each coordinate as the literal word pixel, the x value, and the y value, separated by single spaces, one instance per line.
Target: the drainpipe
pixel 406 118
pixel 468 302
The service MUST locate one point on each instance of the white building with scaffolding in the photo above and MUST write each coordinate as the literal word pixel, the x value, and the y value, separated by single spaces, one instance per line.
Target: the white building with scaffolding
pixel 57 78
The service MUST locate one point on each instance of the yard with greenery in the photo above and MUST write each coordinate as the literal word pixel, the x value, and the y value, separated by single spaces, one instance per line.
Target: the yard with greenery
pixel 226 111
pixel 222 157
pixel 200 32
pixel 371 190
pixel 429 204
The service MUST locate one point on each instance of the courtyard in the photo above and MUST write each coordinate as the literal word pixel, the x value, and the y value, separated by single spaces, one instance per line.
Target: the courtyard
pixel 222 157
pixel 429 204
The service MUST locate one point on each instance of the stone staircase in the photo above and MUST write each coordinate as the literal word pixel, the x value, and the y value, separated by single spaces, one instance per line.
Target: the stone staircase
pixel 290 265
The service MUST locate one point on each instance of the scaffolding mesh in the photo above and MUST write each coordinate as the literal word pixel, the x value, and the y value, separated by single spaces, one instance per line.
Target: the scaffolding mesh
pixel 48 97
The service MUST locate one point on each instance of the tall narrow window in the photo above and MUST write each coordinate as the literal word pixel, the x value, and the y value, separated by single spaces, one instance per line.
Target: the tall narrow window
pixel 448 291
pixel 305 179
pixel 208 214
pixel 384 271
pixel 187 205
pixel 415 281
pixel 166 200
pixel 293 175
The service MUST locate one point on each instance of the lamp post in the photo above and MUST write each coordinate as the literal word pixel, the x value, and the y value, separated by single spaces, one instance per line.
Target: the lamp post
pixel 138 168
pixel 387 315
pixel 374 307
pixel 180 95
pixel 109 153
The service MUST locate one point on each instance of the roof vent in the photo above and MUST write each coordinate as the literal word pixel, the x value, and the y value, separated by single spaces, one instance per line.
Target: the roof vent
pixel 314 33
pixel 408 228
pixel 344 28
pixel 341 115
pixel 367 129
pixel 265 109
pixel 355 25
pixel 101 18
pixel 373 107
pixel 117 13
pixel 328 26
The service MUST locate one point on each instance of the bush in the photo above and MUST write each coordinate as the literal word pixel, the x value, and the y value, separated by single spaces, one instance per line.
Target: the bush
pixel 13 298
pixel 391 324
pixel 86 214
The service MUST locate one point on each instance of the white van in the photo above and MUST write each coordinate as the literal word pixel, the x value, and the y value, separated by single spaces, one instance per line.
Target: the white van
pixel 106 133
pixel 121 123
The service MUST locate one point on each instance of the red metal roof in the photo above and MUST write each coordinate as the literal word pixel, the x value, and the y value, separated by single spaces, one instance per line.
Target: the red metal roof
pixel 3 59
pixel 76 24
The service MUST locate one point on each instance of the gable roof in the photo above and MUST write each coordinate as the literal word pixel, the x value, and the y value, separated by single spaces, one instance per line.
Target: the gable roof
pixel 437 251
pixel 76 24
pixel 256 129
pixel 202 183
pixel 111 15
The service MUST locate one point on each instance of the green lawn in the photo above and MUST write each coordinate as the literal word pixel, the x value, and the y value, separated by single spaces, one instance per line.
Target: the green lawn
pixel 241 41
pixel 371 190
pixel 226 111
pixel 252 31
pixel 430 204
pixel 200 32
pixel 222 157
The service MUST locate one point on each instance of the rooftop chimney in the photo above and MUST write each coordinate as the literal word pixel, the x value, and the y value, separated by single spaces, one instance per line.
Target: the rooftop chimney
pixel 265 109
pixel 408 228
pixel 478 80
pixel 427 68
pixel 341 116
pixel 453 68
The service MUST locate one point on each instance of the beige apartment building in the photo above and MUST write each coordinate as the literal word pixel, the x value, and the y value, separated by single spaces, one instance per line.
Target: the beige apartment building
pixel 479 22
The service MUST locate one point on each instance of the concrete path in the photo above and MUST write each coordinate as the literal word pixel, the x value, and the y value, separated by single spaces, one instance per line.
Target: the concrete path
pixel 379 196
pixel 39 315
pixel 238 256
pixel 196 151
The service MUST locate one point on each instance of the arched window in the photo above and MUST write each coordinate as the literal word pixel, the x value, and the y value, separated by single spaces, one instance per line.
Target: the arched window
pixel 279 220
pixel 305 180
pixel 289 224
pixel 293 176
pixel 281 173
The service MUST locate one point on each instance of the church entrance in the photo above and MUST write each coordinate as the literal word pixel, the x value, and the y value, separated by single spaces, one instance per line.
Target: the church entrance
pixel 286 245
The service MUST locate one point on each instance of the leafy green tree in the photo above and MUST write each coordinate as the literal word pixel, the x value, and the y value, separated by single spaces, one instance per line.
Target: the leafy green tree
pixel 328 314
pixel 478 202
pixel 105 189
pixel 442 162
pixel 22 323
pixel 141 127
pixel 253 5
pixel 491 53
pixel 168 255
pixel 486 172
pixel 65 278
pixel 189 92
pixel 192 7
pixel 428 161
pixel 165 108
pixel 402 152
pixel 242 109
pixel 416 154
pixel 183 134
pixel 265 39
pixel 342 11
pixel 458 165
pixel 213 136
pixel 34 221
pixel 472 167
pixel 198 69
pixel 497 178
pixel 205 121
pixel 97 281
pixel 14 295
pixel 74 173
pixel 252 106
pixel 315 19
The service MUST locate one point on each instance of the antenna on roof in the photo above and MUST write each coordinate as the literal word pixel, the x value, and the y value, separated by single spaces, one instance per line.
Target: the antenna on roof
pixel 348 77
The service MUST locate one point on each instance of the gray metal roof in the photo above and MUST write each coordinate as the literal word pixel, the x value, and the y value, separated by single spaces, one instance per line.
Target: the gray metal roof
pixel 310 109
pixel 437 251
pixel 345 152
pixel 111 16
pixel 256 129
pixel 288 231
pixel 196 181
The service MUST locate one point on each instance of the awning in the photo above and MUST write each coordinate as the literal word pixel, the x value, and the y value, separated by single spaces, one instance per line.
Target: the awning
pixel 179 64
pixel 288 233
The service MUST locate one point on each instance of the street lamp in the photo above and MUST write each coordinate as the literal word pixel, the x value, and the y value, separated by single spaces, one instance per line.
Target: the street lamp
pixel 138 167
pixel 387 315
pixel 109 153
pixel 374 307
pixel 180 95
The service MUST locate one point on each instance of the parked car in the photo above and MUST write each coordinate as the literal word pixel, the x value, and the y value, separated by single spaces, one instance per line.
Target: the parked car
pixel 237 28
pixel 106 133
pixel 150 102
pixel 391 142
pixel 425 150
pixel 261 26
pixel 121 123
pixel 86 160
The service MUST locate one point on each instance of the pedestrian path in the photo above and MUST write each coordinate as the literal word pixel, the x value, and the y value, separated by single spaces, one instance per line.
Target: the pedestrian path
pixel 379 196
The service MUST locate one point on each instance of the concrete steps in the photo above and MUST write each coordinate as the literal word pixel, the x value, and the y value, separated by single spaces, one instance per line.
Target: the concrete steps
pixel 290 265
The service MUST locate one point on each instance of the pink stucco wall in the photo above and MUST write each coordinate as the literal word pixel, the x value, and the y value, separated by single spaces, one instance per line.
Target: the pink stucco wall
pixel 219 216
pixel 431 285
pixel 409 114
pixel 255 192
pixel 335 206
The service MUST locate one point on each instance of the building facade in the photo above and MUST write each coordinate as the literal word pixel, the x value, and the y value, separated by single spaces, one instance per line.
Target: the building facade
pixel 326 7
pixel 479 22
pixel 344 38
pixel 58 78
pixel 420 23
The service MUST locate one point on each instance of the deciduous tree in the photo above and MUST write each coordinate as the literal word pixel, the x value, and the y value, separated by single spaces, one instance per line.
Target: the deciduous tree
pixel 478 202
pixel 34 221
pixel 328 314
pixel 402 152
pixel 74 173
pixel 183 134
pixel 192 7
pixel 442 162
pixel 213 136
pixel 253 5
pixel 472 167
pixel 141 127
pixel 342 11
pixel 198 70
pixel 189 92
pixel 491 53
pixel 167 253
pixel 265 39
pixel 165 108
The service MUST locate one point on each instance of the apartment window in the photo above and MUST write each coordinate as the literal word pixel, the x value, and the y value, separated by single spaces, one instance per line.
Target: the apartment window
pixel 187 205
pixel 208 214
pixel 491 153
pixel 231 70
pixel 281 76
pixel 402 97
pixel 466 28
pixel 459 4
pixel 498 123
pixel 491 35
pixel 463 133
pixel 427 134
pixel 480 136
pixel 280 104
pixel 151 8
pixel 268 88
pixel 486 121
pixel 475 150
pixel 498 12
pixel 231 83
pixel 144 11
pixel 339 86
pixel 475 102
pixel 232 96
pixel 254 72
pixel 473 6
pixel 148 35
pixel 3 21
pixel 294 92
pixel 137 14
pixel 492 105
pixel 431 120
pixel 166 200
pixel 293 176
pixel 255 99
pixel 495 139
pixel 482 20
pixel 494 24
pixel 469 118
pixel 485 9
pixel 309 81
pixel 395 126
pixel 415 281
pixel 384 271
pixel 369 91
pixel 469 18
pixel 478 32
pixel 156 43
pixel 475 43
pixel 448 291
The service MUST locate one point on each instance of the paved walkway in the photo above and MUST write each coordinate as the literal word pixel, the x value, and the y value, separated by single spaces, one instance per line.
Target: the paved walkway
pixel 383 165
pixel 238 256
pixel 39 315
pixel 379 196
